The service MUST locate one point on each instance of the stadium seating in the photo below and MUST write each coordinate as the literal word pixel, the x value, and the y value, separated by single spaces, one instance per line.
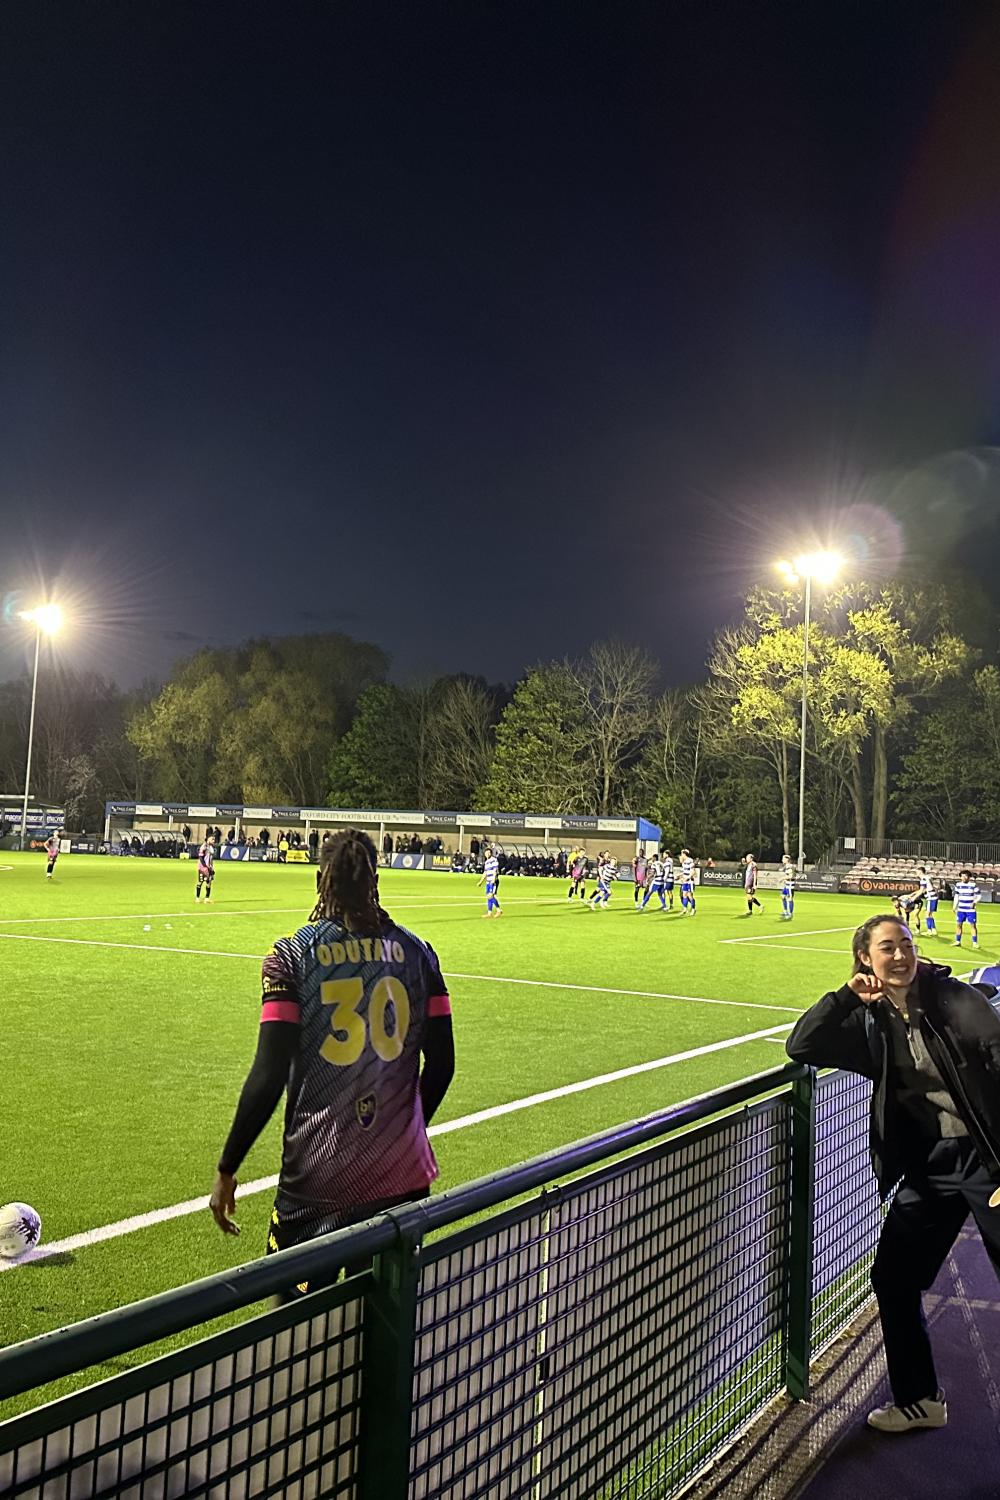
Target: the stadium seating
pixel 897 867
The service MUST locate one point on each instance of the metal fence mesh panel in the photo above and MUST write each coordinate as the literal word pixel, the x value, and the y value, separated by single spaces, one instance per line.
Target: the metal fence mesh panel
pixel 477 1365
pixel 277 1416
pixel 631 1335
pixel 847 1216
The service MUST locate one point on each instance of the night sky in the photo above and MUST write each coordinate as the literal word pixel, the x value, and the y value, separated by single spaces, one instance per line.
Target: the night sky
pixel 483 330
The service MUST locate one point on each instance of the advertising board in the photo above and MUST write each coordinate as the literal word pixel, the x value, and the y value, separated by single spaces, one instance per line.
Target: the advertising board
pixel 712 876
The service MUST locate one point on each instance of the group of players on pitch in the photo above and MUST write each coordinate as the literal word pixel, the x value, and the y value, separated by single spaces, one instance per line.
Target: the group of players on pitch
pixel 652 877
pixel 965 899
pixel 655 876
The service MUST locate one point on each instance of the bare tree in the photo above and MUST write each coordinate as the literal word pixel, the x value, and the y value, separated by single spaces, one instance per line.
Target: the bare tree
pixel 462 740
pixel 614 684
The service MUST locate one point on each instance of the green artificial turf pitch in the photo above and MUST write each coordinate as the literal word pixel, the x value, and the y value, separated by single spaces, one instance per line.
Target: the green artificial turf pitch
pixel 130 1018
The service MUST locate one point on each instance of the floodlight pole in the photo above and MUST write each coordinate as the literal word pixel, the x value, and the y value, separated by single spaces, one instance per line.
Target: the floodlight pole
pixel 802 740
pixel 31 734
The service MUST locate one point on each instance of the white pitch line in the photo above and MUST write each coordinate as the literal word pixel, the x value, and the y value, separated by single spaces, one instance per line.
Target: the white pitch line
pixel 545 984
pixel 447 1127
pixel 34 937
pixel 600 989
pixel 271 911
pixel 770 937
pixel 802 948
pixel 158 916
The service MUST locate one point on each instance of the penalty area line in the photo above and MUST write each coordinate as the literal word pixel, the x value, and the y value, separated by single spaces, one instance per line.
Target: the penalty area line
pixel 600 989
pixel 447 1127
pixel 776 937
pixel 802 948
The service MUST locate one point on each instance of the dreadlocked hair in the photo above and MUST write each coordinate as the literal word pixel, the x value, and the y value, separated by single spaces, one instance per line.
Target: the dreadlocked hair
pixel 348 884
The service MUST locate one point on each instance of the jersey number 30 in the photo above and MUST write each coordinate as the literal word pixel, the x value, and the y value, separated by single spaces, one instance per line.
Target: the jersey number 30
pixel 348 1031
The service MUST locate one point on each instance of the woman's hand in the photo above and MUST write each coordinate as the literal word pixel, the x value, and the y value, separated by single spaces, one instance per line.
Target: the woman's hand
pixel 867 988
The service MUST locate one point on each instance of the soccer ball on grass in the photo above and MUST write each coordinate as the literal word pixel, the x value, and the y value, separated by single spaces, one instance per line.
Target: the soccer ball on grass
pixel 20 1230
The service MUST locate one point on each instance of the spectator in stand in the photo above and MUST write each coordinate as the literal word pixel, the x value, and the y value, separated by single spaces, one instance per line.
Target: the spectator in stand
pixel 282 849
pixel 242 840
pixel 387 846
pixel 474 847
pixel 186 833
pixel 314 844
pixel 264 837
pixel 231 836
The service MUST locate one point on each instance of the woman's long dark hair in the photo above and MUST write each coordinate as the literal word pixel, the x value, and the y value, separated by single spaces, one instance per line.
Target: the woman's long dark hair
pixel 348 884
pixel 862 940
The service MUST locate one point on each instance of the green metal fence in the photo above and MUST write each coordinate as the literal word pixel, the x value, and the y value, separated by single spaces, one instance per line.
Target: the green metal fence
pixel 603 1337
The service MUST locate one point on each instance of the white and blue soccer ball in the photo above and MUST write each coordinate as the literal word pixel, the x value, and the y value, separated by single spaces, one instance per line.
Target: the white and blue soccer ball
pixel 20 1230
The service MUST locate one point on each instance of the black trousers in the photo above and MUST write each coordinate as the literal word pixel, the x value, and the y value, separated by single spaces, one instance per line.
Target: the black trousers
pixel 293 1224
pixel 931 1205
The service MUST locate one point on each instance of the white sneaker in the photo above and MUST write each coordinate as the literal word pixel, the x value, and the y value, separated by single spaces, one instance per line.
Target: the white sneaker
pixel 926 1413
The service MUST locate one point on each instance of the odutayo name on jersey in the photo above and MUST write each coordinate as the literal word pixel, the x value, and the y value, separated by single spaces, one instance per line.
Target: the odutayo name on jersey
pixel 355 951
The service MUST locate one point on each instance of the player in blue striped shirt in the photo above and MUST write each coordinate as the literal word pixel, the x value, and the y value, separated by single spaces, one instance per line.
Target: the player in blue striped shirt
pixel 787 888
pixel 491 875
pixel 668 878
pixel 930 895
pixel 687 883
pixel 654 886
pixel 606 868
pixel 965 894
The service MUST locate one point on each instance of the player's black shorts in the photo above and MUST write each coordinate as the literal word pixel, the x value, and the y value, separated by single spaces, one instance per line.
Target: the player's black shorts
pixel 295 1224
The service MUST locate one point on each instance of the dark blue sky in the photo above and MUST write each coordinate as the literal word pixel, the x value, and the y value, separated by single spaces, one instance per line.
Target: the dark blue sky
pixel 480 330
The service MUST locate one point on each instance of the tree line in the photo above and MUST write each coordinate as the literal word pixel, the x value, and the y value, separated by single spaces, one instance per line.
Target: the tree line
pixel 903 730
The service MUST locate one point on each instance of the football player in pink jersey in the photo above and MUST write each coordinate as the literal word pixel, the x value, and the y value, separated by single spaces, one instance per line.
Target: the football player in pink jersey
pixel 51 854
pixel 206 869
pixel 352 1005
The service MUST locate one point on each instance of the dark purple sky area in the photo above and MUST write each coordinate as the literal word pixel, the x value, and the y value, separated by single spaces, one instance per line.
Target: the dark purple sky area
pixel 482 329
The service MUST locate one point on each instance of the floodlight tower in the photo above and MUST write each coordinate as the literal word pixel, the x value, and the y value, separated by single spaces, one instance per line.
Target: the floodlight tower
pixel 46 618
pixel 823 567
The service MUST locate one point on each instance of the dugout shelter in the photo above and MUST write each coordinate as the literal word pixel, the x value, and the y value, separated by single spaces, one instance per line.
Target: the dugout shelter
pixel 625 836
pixel 43 819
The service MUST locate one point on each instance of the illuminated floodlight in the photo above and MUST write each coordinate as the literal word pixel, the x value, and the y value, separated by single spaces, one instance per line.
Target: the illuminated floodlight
pixel 47 618
pixel 821 567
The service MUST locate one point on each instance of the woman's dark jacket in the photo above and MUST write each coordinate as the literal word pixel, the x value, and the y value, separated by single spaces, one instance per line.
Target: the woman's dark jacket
pixel 961 1029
